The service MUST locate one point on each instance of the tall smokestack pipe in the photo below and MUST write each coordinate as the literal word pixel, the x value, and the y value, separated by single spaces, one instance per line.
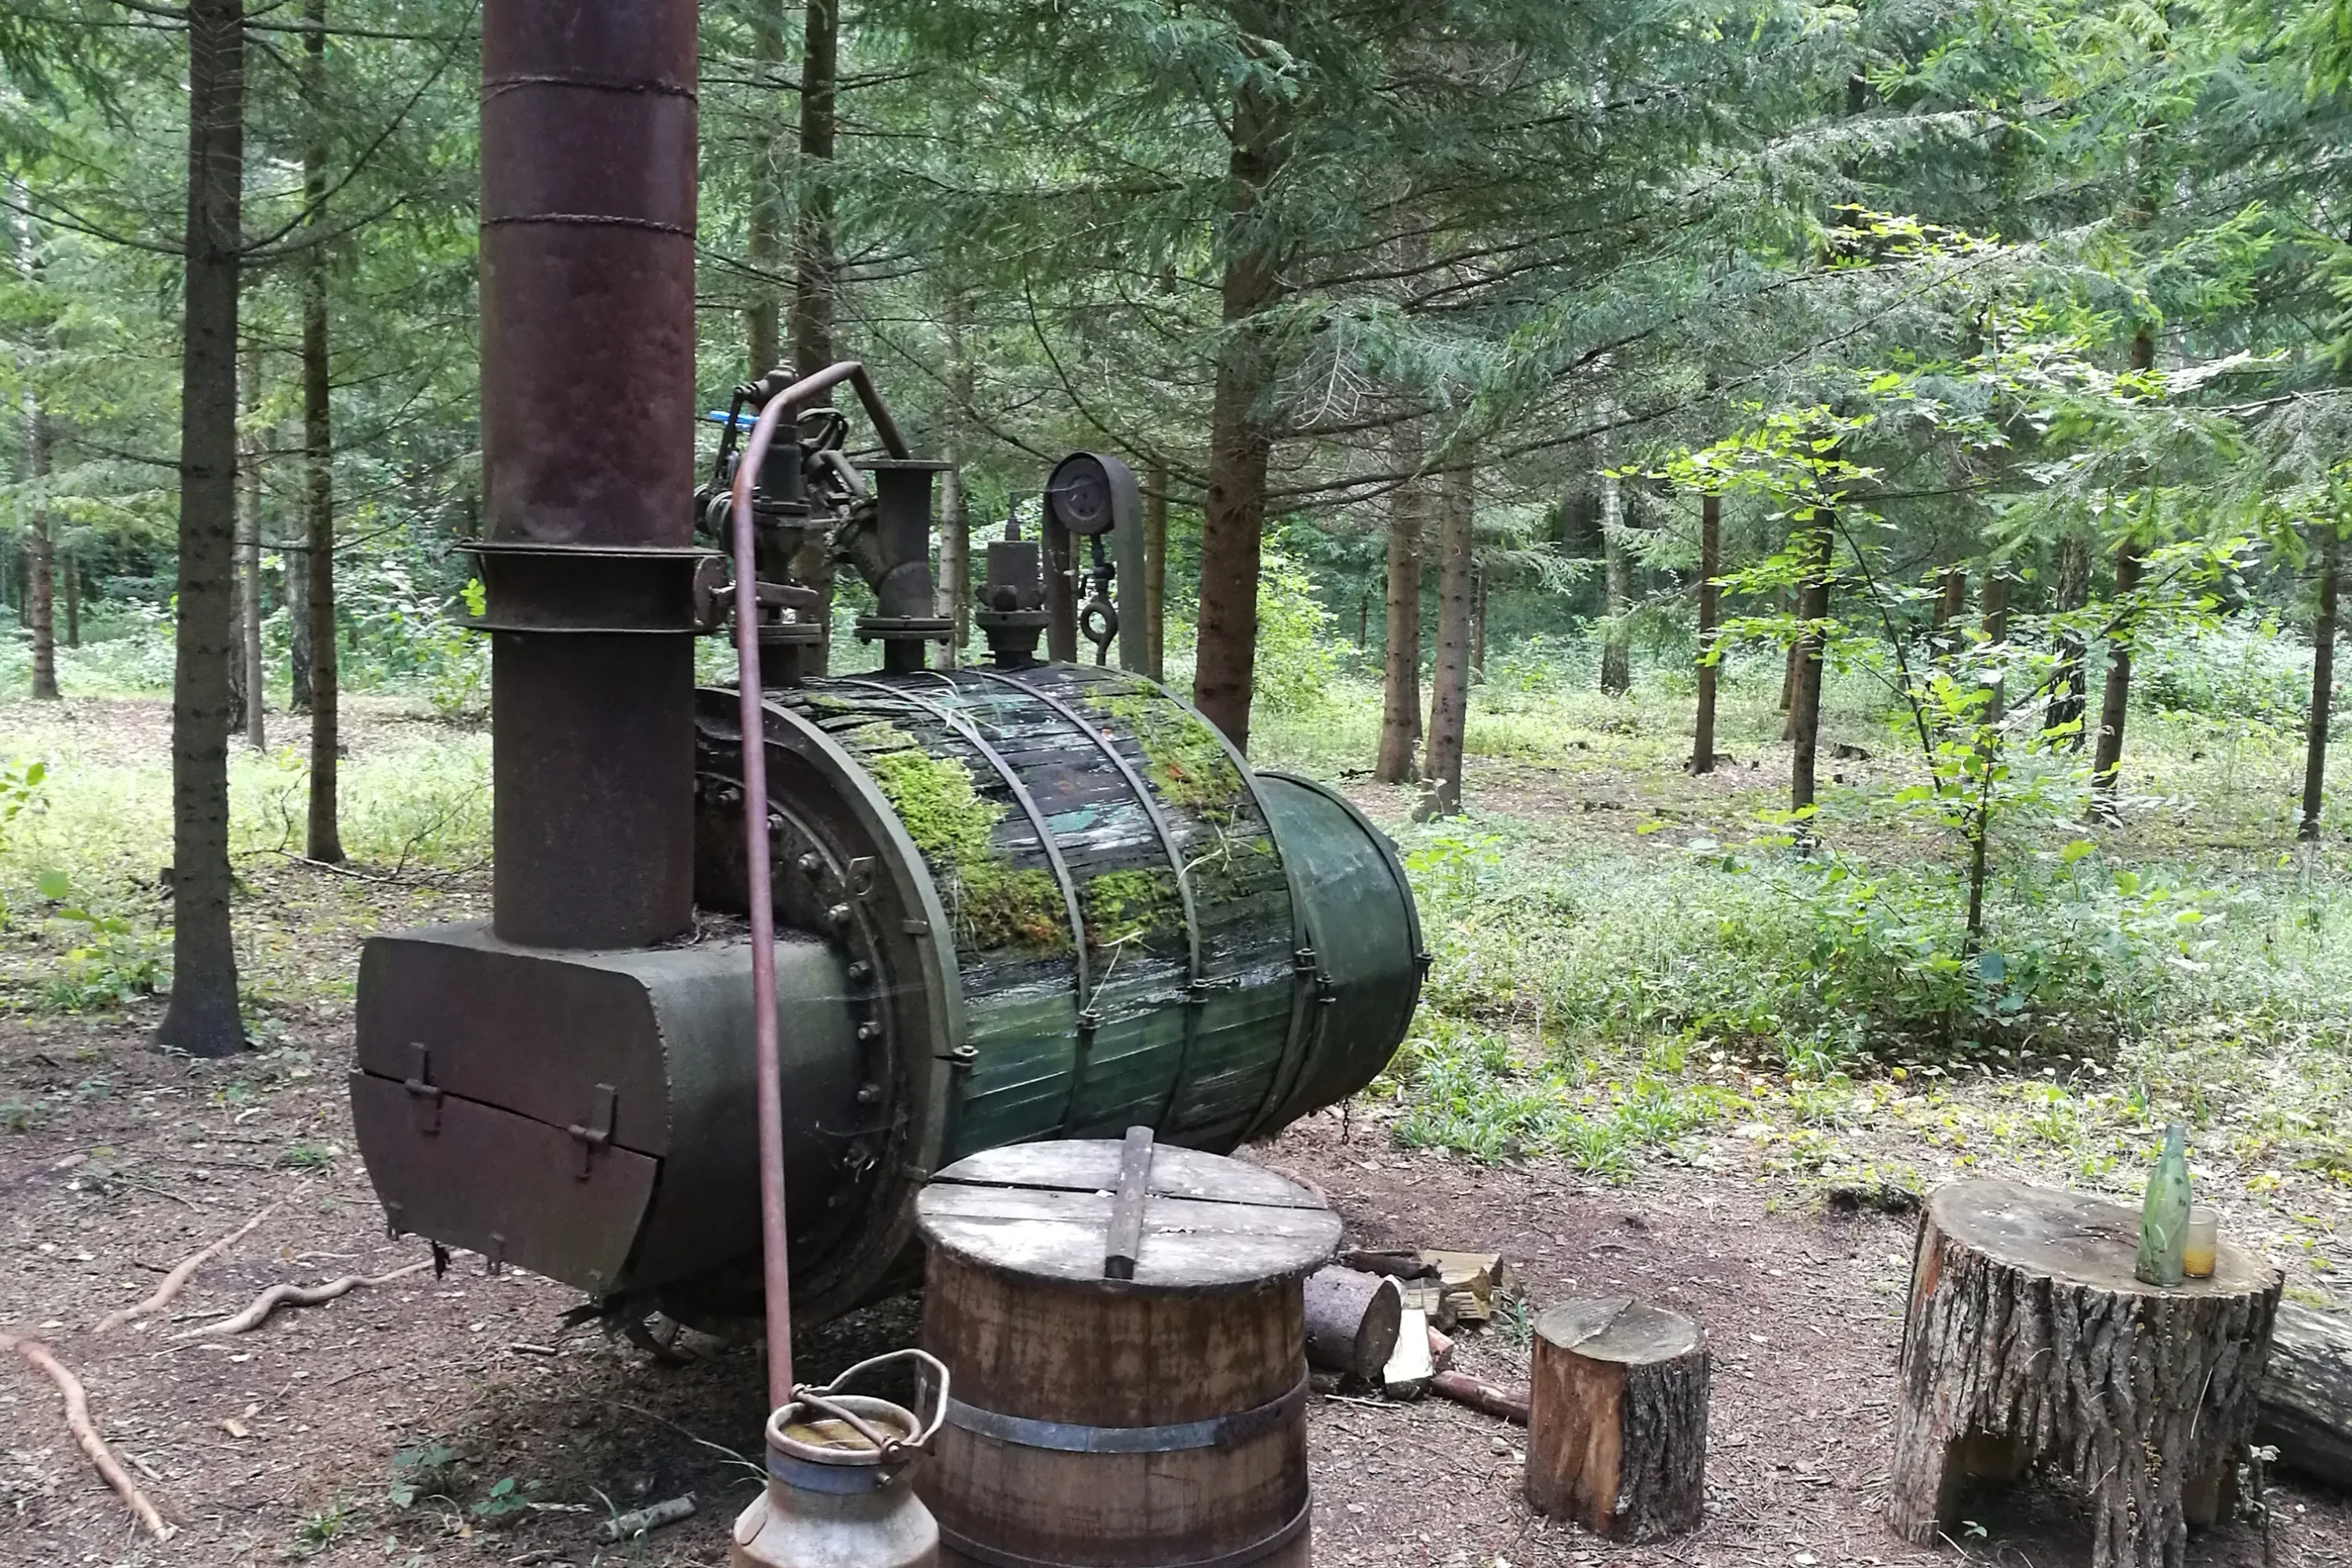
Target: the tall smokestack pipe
pixel 587 309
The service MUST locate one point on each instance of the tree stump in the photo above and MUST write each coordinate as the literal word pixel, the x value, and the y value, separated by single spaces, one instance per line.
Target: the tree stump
pixel 1617 1418
pixel 2307 1394
pixel 2028 1344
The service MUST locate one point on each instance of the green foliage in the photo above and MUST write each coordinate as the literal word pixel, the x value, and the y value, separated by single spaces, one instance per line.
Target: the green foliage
pixel 1464 1091
pixel 504 1500
pixel 423 1470
pixel 1293 669
pixel 319 1530
pixel 107 961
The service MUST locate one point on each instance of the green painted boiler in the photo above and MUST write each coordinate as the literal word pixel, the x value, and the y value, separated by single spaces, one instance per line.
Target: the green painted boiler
pixel 1013 904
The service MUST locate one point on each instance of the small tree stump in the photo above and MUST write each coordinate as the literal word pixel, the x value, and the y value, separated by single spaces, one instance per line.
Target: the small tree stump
pixel 2030 1344
pixel 1617 1418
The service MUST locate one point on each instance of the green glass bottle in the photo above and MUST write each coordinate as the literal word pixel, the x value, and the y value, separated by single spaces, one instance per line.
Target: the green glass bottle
pixel 2164 1214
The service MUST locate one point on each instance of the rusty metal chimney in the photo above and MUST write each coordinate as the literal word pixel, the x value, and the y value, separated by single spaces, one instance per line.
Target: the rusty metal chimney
pixel 587 323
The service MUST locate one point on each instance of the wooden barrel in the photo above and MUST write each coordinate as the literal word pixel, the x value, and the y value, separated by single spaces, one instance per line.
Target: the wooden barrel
pixel 1099 1421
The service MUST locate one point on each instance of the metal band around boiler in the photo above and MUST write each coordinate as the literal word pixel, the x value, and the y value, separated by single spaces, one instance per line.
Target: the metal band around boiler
pixel 964 730
pixel 1257 1551
pixel 1302 982
pixel 1070 1437
pixel 1152 814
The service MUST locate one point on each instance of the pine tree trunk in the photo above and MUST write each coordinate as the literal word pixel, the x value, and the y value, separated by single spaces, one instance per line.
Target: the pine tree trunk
pixel 1790 664
pixel 1155 569
pixel 2323 680
pixel 2071 592
pixel 1993 601
pixel 766 249
pixel 298 609
pixel 814 267
pixel 249 564
pixel 1449 700
pixel 952 591
pixel 2114 701
pixel 1805 703
pixel 1401 662
pixel 1710 609
pixel 40 555
pixel 1478 623
pixel 73 599
pixel 324 839
pixel 1952 604
pixel 202 1018
pixel 1617 573
pixel 1240 434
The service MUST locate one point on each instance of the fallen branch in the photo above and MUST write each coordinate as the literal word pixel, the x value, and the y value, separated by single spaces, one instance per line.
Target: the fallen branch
pixel 1503 1404
pixel 277 1296
pixel 78 1423
pixel 630 1526
pixel 177 1279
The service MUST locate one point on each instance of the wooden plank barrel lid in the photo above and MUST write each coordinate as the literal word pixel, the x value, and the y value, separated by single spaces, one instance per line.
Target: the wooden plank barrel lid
pixel 1192 1223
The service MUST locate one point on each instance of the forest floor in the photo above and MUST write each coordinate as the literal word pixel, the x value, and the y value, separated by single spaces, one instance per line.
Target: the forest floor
pixel 456 1420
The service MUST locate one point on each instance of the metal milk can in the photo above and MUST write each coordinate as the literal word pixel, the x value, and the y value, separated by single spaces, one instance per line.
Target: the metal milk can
pixel 840 1489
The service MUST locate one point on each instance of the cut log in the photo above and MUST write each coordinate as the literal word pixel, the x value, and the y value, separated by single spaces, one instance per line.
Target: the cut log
pixel 2306 1402
pixel 1351 1322
pixel 2030 1344
pixel 1617 1418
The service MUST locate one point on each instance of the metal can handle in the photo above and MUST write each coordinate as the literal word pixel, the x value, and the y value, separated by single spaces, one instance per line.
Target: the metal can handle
pixel 816 1394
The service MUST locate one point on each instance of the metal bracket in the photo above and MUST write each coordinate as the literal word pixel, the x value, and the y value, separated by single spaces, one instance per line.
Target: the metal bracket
pixel 421 1093
pixel 592 1139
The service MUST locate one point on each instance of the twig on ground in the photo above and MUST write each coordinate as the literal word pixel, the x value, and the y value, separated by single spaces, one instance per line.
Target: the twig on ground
pixel 258 1312
pixel 100 1457
pixel 332 870
pixel 638 1521
pixel 178 1279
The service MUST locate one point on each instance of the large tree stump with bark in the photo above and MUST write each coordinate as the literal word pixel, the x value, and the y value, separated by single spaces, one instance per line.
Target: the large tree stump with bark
pixel 2029 1345
pixel 1617 1418
pixel 2307 1394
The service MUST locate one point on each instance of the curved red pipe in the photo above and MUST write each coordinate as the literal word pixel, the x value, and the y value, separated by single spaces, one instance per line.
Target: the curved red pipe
pixel 776 1270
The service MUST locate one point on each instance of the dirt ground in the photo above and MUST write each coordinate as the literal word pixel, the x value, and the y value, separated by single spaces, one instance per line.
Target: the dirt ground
pixel 458 1420
pixel 288 1443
